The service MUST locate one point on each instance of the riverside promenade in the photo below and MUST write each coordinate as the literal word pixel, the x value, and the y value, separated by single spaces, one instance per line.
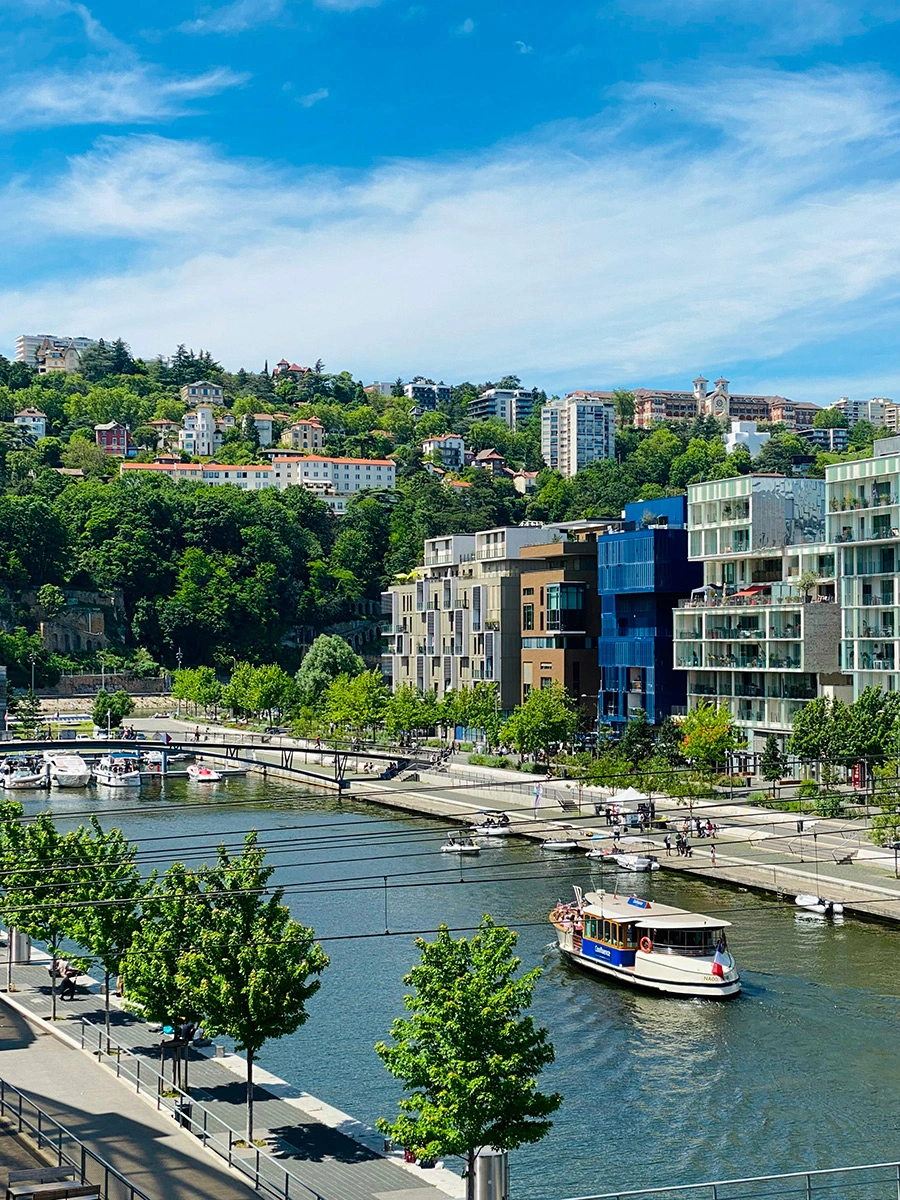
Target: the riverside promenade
pixel 755 847
pixel 326 1153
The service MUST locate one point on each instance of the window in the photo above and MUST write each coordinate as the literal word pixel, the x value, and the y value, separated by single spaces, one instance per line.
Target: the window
pixel 528 616
pixel 527 591
pixel 546 683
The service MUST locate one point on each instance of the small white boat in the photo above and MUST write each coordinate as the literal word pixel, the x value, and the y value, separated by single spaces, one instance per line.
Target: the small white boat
pixel 648 945
pixel 203 774
pixel 601 852
pixel 463 846
pixel 492 829
pixel 68 770
pixel 25 775
pixel 119 769
pixel 816 904
pixel 560 845
pixel 636 862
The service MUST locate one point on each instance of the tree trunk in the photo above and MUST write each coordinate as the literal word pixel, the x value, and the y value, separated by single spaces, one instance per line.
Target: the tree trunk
pixel 106 1002
pixel 470 1175
pixel 53 980
pixel 249 1097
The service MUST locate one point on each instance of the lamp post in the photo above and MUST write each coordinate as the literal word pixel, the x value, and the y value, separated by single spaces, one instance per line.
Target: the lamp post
pixel 895 846
pixel 178 659
pixel 32 658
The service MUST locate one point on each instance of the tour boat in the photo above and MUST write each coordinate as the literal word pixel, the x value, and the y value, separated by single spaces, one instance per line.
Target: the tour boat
pixel 119 769
pixel 203 774
pixel 560 845
pixel 68 770
pixel 648 945
pixel 22 774
pixel 816 904
pixel 463 846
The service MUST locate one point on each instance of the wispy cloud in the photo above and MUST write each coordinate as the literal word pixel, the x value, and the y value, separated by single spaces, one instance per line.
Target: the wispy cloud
pixel 312 98
pixel 523 47
pixel 242 15
pixel 467 26
pixel 622 259
pixel 105 95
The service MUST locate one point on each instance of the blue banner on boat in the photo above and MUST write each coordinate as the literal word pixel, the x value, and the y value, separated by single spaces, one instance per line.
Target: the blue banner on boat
pixel 638 902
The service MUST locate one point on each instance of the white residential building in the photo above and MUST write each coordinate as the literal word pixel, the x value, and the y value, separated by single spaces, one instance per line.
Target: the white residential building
pixel 200 434
pixel 28 344
pixel 450 446
pixel 202 392
pixel 425 393
pixel 577 430
pixel 745 433
pixel 512 406
pixel 864 410
pixel 749 638
pixel 32 420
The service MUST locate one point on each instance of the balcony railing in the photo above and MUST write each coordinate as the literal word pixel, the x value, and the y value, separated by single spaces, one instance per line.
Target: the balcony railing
pixel 751 601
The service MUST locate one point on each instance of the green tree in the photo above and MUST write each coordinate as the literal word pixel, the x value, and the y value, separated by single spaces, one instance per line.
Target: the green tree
pixel 328 657
pixel 772 764
pixel 830 418
pixel 708 735
pixel 668 743
pixel 356 702
pixel 107 886
pixel 476 707
pixel 468 1054
pixel 51 599
pixel 637 737
pixel 271 688
pixel 545 718
pixel 110 708
pixel 253 968
pixel 623 400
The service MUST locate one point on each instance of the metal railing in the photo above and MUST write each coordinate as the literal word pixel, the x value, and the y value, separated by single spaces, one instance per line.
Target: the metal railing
pixel 257 1165
pixel 875 1181
pixel 49 1136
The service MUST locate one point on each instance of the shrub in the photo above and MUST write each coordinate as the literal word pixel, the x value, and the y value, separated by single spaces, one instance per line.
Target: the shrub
pixel 808 789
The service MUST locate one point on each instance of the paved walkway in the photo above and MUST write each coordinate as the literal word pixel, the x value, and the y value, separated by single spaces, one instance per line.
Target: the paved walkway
pixel 311 1140
pixel 145 1146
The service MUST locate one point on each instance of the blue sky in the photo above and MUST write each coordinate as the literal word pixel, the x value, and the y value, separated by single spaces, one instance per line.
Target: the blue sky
pixel 588 195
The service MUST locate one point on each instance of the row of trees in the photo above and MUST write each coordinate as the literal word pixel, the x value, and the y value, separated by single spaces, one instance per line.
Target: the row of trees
pixel 217 945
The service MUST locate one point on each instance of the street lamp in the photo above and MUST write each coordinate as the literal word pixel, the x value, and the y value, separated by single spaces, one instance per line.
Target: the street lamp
pixel 178 658
pixel 32 658
pixel 895 846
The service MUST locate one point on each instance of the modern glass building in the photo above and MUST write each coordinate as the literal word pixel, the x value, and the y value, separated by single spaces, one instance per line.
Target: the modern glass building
pixel 642 573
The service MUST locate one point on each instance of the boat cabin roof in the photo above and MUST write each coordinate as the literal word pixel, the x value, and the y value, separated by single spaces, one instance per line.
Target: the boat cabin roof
pixel 645 914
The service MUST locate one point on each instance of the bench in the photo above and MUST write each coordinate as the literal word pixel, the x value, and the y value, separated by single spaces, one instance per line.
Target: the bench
pixel 59 1190
pixel 42 1175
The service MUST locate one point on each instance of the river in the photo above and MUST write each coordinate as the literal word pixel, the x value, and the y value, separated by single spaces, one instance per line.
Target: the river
pixel 799 1072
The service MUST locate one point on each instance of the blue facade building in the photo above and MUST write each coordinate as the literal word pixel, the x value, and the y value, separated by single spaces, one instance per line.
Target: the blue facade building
pixel 642 574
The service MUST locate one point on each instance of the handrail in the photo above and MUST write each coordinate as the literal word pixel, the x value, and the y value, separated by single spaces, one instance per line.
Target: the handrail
pixel 806 1180
pixel 284 1186
pixel 48 1132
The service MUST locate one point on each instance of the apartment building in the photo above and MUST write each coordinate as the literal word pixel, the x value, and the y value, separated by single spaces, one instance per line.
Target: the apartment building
pixel 833 440
pixel 451 448
pixel 425 393
pixel 202 392
pixel 577 430
pixel 658 404
pixel 875 410
pixel 560 617
pixel 748 638
pixel 33 421
pixel 113 439
pixel 53 357
pixel 512 406
pixel 863 519
pixel 28 345
pixel 202 433
pixel 457 621
pixel 304 435
pixel 643 572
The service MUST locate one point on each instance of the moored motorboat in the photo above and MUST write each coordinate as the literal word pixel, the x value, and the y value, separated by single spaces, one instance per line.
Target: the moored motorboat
pixel 21 774
pixel 560 845
pixel 636 862
pixel 817 904
pixel 201 774
pixel 653 946
pixel 492 825
pixel 463 846
pixel 67 770
pixel 119 769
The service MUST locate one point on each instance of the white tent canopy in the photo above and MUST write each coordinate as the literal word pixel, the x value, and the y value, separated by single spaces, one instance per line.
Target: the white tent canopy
pixel 629 795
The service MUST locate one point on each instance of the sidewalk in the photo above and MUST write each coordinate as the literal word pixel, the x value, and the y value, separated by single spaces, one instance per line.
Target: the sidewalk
pixel 328 1151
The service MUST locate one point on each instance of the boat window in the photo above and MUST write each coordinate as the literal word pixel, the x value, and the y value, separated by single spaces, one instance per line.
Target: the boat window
pixel 694 942
pixel 631 937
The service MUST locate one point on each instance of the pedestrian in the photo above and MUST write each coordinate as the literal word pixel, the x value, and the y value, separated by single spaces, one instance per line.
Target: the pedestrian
pixel 608 814
pixel 712 856
pixel 197 734
pixel 667 842
pixel 799 824
pixel 67 991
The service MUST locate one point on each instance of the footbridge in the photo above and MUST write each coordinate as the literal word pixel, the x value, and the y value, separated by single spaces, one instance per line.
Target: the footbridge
pixel 292 760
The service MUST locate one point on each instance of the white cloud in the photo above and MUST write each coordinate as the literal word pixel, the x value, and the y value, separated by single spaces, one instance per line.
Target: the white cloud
pixel 468 26
pixel 586 254
pixel 523 47
pixel 312 98
pixel 241 15
pixel 106 95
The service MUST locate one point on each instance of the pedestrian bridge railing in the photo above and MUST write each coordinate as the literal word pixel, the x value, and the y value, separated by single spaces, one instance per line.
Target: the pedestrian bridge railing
pixel 256 1164
pixel 54 1139
pixel 874 1181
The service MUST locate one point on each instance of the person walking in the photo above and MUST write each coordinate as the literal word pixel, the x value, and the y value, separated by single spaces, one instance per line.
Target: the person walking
pixel 667 842
pixel 712 856
pixel 67 991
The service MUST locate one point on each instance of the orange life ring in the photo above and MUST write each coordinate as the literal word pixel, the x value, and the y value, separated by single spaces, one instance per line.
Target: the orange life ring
pixel 646 945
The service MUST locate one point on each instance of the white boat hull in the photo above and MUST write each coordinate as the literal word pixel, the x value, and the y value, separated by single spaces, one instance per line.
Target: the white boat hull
pixel 61 779
pixel 634 862
pixel 459 849
pixel 707 989
pixel 126 779
pixel 491 831
pixel 560 847
pixel 24 782
pixel 202 775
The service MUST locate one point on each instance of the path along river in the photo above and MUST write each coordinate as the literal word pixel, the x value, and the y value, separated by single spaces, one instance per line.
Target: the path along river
pixel 800 1072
